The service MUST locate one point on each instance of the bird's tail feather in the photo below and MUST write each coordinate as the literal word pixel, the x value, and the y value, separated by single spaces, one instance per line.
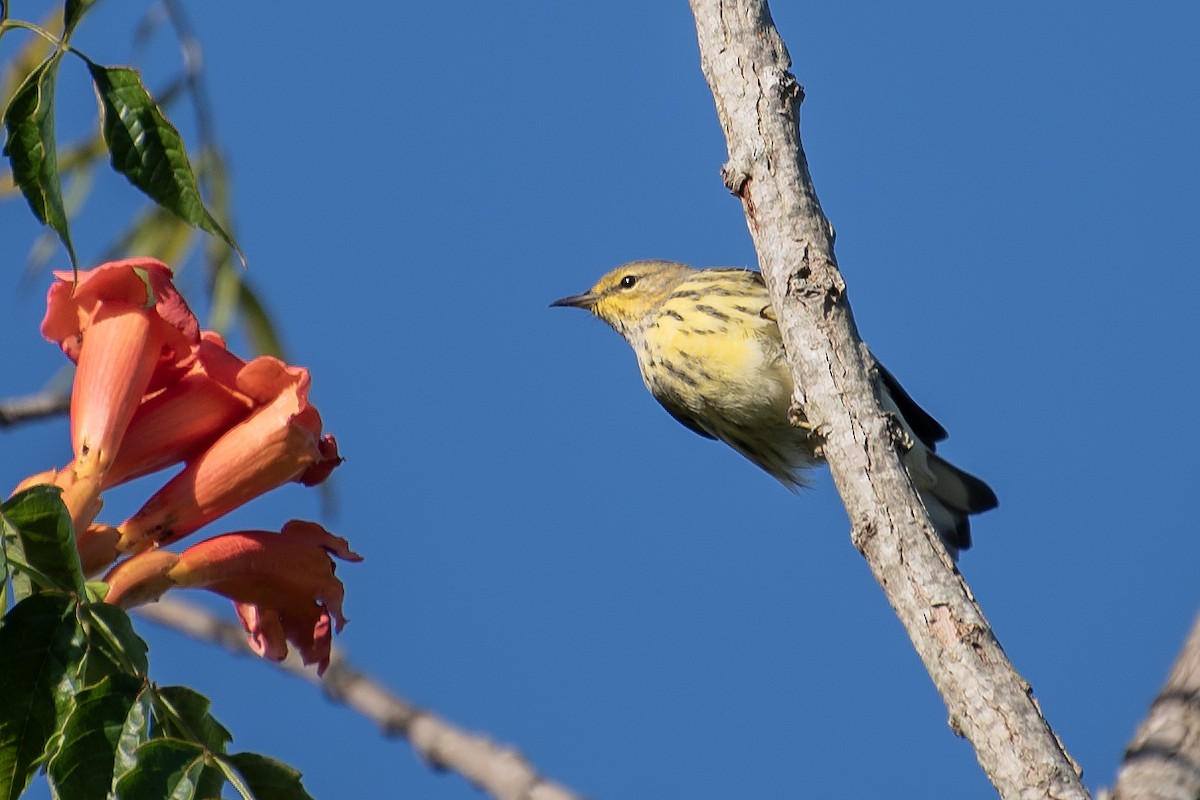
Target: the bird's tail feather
pixel 950 494
pixel 953 496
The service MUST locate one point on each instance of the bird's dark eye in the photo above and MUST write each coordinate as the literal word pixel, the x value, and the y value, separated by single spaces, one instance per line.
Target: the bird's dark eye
pixel 628 281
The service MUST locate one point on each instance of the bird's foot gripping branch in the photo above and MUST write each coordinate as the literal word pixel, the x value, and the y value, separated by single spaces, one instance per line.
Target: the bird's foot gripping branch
pixel 710 351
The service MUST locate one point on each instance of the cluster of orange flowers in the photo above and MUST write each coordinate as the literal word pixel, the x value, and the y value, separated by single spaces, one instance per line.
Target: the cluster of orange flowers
pixel 151 391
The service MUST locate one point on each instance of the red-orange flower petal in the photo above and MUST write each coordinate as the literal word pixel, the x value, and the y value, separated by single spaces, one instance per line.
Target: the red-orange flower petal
pixel 183 419
pixel 264 632
pixel 140 579
pixel 128 328
pixel 283 584
pixel 49 476
pixel 134 283
pixel 120 351
pixel 277 443
pixel 97 546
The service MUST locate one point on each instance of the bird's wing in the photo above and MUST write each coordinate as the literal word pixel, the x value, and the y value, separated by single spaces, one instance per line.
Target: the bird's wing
pixel 922 423
pixel 684 418
pixel 926 428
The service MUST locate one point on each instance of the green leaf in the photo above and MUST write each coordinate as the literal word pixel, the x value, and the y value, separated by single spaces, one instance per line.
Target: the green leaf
pixel 28 55
pixel 229 773
pixel 29 120
pixel 134 733
pixel 188 719
pixel 269 779
pixel 3 569
pixel 84 764
pixel 95 591
pixel 192 722
pixel 166 768
pixel 37 531
pixel 40 645
pixel 147 149
pixel 113 647
pixel 74 11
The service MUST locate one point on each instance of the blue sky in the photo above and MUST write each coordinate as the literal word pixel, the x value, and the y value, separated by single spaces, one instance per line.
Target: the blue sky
pixel 550 559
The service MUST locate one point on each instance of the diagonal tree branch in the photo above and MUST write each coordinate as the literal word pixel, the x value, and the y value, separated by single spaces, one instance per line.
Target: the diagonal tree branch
pixel 498 770
pixel 46 403
pixel 746 65
pixel 1163 760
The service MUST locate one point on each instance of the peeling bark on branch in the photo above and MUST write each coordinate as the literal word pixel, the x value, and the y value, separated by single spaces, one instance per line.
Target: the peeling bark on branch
pixel 1163 760
pixel 746 65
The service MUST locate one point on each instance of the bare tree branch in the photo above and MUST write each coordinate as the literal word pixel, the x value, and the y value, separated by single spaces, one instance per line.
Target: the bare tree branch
pixel 746 64
pixel 498 770
pixel 46 403
pixel 1163 760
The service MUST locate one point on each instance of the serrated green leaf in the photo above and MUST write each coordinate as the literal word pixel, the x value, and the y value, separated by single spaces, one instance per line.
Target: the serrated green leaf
pixel 72 13
pixel 83 766
pixel 147 149
pixel 194 722
pixel 41 644
pixel 229 773
pixel 95 591
pixel 30 147
pixel 187 718
pixel 38 532
pixel 166 768
pixel 134 732
pixel 3 573
pixel 269 779
pixel 113 647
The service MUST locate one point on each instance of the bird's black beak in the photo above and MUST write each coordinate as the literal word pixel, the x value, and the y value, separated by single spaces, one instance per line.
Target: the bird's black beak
pixel 586 300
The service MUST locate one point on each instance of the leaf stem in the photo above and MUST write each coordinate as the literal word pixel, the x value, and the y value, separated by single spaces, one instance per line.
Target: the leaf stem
pixel 8 24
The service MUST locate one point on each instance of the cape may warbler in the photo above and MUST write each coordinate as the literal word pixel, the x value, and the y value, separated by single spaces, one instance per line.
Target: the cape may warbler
pixel 710 352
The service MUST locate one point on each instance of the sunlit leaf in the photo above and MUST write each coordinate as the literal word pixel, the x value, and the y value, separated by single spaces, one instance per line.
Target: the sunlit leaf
pixel 40 645
pixel 78 180
pixel 36 524
pixel 190 720
pixel 30 147
pixel 134 732
pixel 112 645
pixel 147 149
pixel 83 766
pixel 27 57
pixel 269 778
pixel 165 768
pixel 74 11
pixel 192 709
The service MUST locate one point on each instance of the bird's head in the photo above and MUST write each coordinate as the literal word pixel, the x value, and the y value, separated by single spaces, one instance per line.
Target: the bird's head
pixel 626 296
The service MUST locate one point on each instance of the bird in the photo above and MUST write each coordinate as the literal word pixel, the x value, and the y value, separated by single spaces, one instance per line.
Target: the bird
pixel 709 350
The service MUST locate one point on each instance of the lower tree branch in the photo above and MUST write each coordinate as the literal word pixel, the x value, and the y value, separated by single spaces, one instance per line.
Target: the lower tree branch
pixel 1163 760
pixel 46 403
pixel 746 65
pixel 498 770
